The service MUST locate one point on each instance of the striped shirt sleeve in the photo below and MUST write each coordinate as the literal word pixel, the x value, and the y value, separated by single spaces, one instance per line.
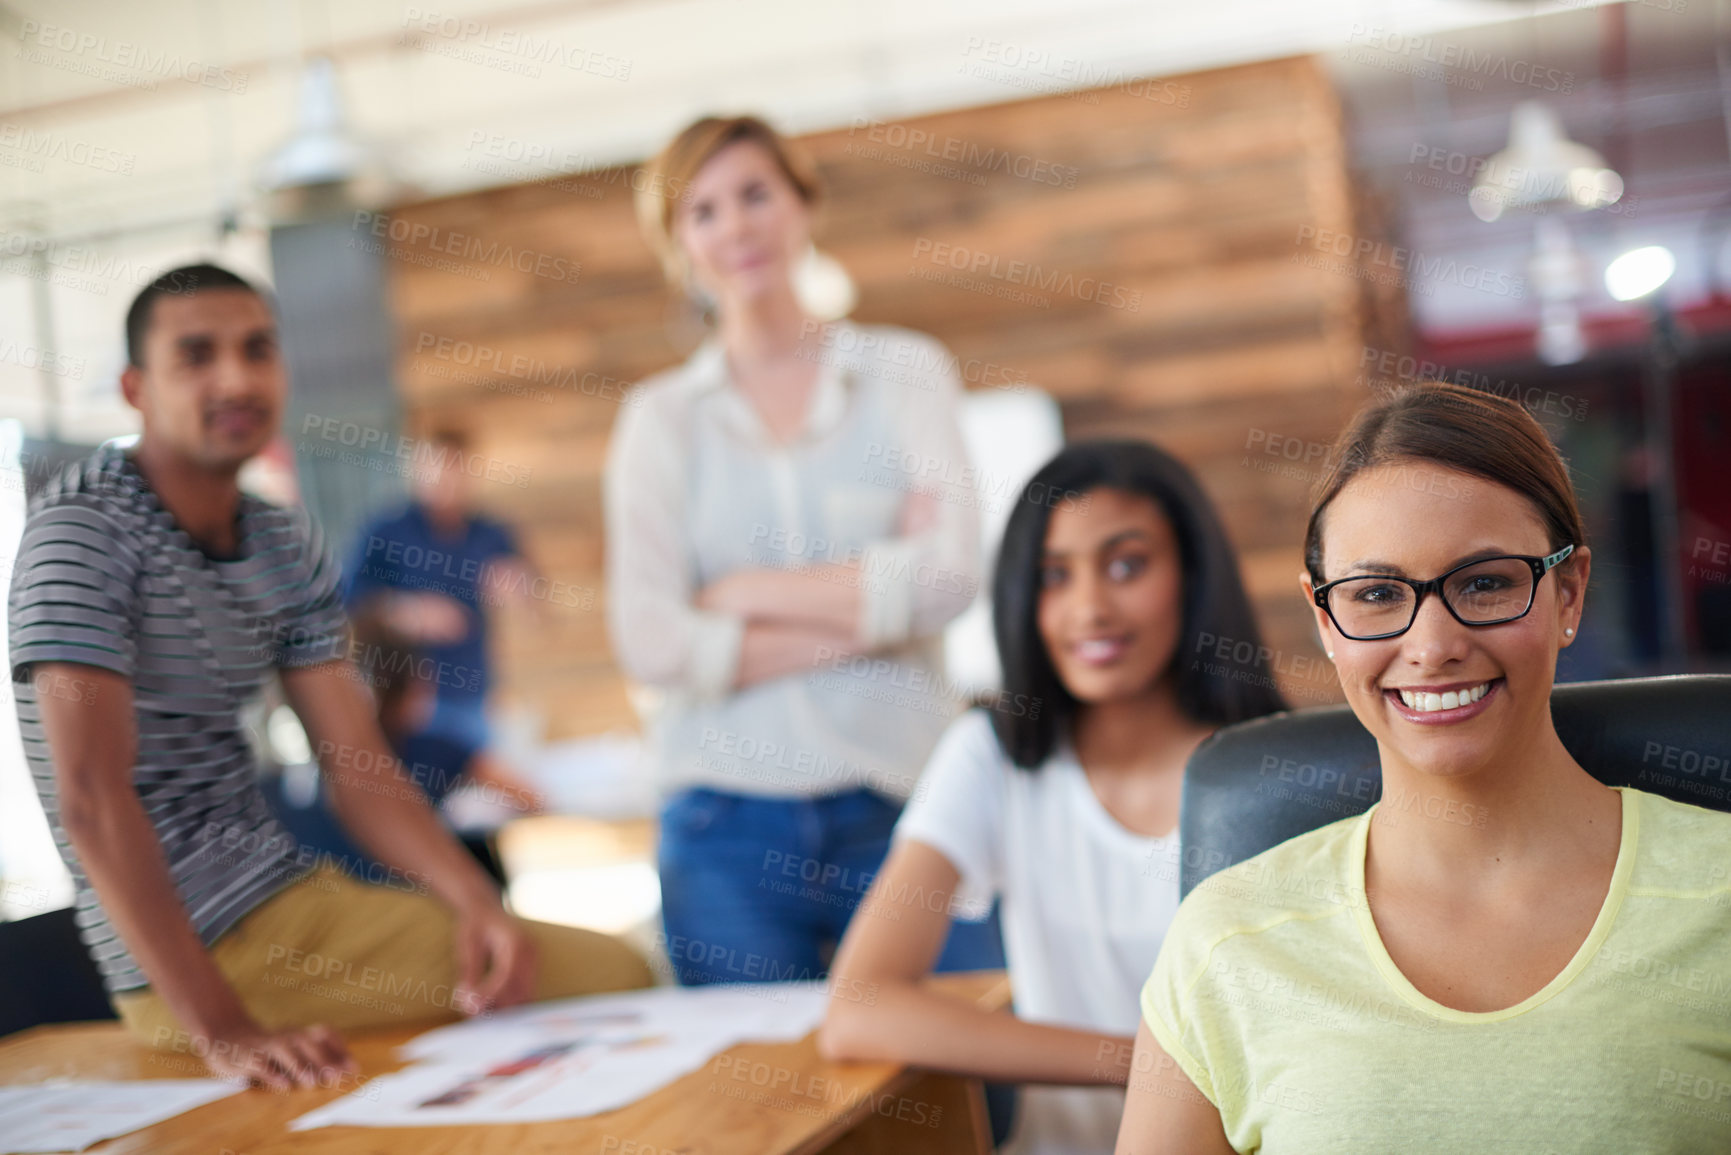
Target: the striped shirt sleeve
pixel 315 628
pixel 74 591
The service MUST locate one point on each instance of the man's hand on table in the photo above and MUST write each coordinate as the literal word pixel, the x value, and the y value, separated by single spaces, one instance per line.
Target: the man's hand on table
pixel 312 1056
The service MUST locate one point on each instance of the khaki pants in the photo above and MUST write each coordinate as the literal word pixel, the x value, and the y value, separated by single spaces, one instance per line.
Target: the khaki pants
pixel 331 949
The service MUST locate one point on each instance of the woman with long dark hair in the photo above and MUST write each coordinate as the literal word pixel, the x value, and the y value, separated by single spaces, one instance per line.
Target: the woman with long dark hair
pixel 1062 799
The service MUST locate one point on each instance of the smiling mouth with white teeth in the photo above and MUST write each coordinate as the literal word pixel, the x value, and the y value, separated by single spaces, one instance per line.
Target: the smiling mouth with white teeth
pixel 1101 651
pixel 1424 702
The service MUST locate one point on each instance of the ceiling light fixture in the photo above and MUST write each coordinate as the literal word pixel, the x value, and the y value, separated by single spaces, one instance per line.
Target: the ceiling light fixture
pixel 1542 167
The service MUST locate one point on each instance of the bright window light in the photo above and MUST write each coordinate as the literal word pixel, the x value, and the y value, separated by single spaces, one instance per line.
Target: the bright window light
pixel 33 880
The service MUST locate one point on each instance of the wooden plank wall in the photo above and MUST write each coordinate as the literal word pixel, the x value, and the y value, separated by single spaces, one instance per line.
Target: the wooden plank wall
pixel 1189 197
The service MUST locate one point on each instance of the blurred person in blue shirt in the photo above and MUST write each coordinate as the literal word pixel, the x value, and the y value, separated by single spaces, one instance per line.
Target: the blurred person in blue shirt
pixel 429 573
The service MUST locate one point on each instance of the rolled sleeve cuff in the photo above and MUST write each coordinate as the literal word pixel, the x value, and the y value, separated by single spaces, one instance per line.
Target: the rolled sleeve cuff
pixel 886 594
pixel 714 660
pixel 97 654
pixel 331 648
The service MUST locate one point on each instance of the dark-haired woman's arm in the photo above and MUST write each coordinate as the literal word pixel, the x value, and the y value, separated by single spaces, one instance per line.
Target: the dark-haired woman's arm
pixel 883 1012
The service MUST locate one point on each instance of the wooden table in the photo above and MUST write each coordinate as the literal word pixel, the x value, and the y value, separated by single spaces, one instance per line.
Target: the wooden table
pixel 755 1099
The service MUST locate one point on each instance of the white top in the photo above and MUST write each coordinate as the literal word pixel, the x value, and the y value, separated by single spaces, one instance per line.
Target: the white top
pixel 696 488
pixel 1085 904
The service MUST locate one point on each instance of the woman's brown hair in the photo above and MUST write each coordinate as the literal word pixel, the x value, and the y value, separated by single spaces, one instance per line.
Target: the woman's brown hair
pixel 1460 428
pixel 669 176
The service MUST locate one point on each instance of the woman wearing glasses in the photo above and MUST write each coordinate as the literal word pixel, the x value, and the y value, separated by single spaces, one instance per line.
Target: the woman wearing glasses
pixel 1503 955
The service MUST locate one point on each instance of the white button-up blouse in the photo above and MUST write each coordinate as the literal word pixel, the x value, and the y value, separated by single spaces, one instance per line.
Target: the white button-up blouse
pixel 695 488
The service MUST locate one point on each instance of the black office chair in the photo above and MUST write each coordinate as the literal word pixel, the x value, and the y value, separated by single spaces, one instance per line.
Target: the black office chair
pixel 46 975
pixel 1254 785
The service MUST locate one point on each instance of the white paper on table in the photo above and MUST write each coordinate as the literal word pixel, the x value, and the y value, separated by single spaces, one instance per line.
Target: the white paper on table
pixel 761 1012
pixel 70 1116
pixel 536 1084
pixel 573 1057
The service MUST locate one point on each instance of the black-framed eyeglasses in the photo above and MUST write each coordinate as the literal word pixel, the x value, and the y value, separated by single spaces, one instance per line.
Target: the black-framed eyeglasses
pixel 1486 592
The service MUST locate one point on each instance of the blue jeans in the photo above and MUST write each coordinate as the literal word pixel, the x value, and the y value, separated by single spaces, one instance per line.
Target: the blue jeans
pixel 760 889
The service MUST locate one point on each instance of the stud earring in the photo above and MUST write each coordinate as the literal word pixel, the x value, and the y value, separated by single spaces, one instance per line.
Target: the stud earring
pixel 1331 653
pixel 1569 631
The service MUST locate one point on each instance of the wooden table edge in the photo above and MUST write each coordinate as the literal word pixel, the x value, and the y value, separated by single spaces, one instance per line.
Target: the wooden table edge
pixel 995 997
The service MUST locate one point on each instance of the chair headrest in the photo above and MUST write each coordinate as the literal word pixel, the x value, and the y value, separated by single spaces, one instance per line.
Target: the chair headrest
pixel 1254 785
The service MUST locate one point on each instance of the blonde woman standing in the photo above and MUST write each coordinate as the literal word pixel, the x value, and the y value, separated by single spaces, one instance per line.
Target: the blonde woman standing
pixel 790 524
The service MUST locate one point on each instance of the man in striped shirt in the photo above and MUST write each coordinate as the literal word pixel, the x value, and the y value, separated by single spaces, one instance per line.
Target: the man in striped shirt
pixel 165 597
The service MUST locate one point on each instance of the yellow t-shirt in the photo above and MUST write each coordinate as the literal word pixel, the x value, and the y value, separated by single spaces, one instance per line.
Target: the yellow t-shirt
pixel 1276 996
